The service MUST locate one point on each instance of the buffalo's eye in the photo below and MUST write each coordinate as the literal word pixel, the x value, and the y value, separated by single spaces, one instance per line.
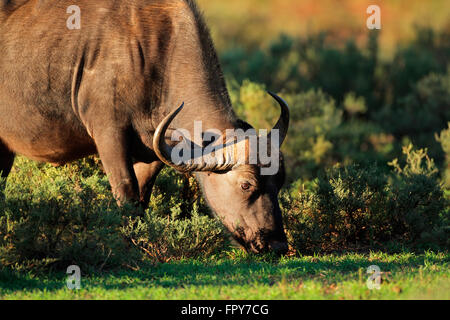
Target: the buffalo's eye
pixel 245 186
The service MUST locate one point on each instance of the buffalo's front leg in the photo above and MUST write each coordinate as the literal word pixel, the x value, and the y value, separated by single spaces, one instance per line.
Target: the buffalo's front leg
pixel 112 146
pixel 6 160
pixel 146 174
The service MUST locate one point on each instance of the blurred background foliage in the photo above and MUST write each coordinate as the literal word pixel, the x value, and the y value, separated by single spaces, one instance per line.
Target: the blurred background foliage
pixel 255 23
pixel 368 150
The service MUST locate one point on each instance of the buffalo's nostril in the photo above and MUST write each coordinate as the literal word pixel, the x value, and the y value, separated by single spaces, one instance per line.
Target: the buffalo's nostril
pixel 280 248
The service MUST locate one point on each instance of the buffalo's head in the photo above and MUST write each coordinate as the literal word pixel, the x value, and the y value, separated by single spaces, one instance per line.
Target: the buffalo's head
pixel 236 181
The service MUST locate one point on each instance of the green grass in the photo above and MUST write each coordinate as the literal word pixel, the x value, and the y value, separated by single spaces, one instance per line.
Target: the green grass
pixel 239 276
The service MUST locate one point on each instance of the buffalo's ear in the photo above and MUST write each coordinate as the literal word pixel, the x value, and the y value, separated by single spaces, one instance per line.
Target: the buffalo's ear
pixel 241 124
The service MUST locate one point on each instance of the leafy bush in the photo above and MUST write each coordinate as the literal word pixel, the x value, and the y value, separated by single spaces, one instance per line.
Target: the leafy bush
pixel 58 217
pixel 421 114
pixel 428 53
pixel 444 139
pixel 170 238
pixel 55 217
pixel 177 195
pixel 417 200
pixel 354 207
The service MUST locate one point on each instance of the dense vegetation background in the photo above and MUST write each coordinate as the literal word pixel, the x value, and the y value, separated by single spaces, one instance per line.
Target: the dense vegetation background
pixel 368 151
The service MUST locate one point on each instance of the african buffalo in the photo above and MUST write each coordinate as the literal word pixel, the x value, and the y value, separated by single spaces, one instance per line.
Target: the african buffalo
pixel 111 87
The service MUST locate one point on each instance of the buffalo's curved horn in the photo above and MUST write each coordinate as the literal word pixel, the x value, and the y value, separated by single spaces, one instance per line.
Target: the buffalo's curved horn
pixel 164 151
pixel 283 123
pixel 228 158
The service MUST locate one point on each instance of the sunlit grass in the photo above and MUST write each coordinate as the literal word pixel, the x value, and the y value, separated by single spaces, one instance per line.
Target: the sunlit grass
pixel 240 276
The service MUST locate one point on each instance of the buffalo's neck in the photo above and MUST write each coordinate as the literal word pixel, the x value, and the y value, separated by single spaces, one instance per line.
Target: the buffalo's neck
pixel 190 73
pixel 194 77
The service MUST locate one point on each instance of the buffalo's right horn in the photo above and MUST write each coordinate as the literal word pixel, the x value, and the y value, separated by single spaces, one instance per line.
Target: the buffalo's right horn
pixel 283 123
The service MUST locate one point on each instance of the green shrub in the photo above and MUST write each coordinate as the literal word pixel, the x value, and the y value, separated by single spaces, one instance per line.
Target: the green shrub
pixel 444 140
pixel 355 208
pixel 421 114
pixel 417 199
pixel 177 195
pixel 428 53
pixel 165 239
pixel 55 217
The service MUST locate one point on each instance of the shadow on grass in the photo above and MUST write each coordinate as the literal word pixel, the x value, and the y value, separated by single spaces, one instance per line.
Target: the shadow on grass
pixel 225 273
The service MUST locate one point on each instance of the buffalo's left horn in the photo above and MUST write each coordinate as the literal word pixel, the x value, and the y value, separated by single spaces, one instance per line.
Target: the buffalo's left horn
pixel 164 151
